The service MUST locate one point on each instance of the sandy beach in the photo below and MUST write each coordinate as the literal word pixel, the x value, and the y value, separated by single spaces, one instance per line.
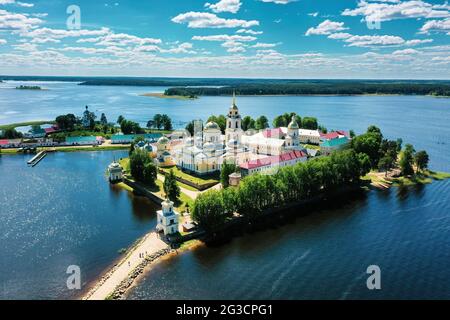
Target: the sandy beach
pixel 149 246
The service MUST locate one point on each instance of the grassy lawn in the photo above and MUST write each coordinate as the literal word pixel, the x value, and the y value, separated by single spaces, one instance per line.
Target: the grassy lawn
pixel 311 146
pixel 421 178
pixel 125 163
pixel 158 189
pixel 24 124
pixel 195 179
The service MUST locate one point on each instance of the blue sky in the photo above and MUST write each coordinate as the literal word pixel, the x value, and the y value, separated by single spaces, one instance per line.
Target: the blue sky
pixel 227 38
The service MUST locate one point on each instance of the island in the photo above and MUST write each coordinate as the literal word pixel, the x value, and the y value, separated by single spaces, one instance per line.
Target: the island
pixel 162 95
pixel 223 181
pixel 22 87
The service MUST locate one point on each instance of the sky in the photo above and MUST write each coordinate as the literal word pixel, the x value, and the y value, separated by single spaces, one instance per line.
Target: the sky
pixel 358 39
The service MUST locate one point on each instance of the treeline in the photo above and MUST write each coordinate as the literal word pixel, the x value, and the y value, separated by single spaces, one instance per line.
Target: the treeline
pixel 317 88
pixel 257 193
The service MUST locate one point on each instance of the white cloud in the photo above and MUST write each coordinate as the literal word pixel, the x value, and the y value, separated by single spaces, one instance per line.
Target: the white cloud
pixel 17 21
pixel 368 41
pixel 224 37
pixel 232 6
pixel 210 20
pixel 3 41
pixel 391 10
pixel 326 27
pixel 405 52
pixel 436 26
pixel 279 1
pixel 416 42
pixel 264 45
pixel 249 31
pixel 18 3
pixel 53 35
pixel 340 36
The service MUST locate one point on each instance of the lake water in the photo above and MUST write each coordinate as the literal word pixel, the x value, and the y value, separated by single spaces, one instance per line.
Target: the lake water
pixel 63 212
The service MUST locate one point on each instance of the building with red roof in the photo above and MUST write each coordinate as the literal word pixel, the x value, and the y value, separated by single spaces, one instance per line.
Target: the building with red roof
pixel 271 162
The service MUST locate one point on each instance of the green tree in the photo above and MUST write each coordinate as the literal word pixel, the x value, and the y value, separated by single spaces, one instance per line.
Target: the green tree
pixel 248 123
pixel 66 122
pixel 166 122
pixel 149 174
pixel 227 169
pixel 368 143
pixel 209 211
pixel 279 122
pixel 374 129
pixel 120 119
pixel 386 163
pixel 190 128
pixel 157 120
pixel 11 133
pixel 170 186
pixel 126 126
pixel 364 164
pixel 406 161
pixel 221 120
pixel 103 119
pixel 138 160
pixel 421 160
pixel 310 123
pixel 262 123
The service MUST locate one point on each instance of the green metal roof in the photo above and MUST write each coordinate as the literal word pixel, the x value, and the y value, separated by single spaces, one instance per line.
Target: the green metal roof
pixel 334 142
pixel 131 137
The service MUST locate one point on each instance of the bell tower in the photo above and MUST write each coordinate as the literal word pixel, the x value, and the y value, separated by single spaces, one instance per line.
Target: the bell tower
pixel 234 122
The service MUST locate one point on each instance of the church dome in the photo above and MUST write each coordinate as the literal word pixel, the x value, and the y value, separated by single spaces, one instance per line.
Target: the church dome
pixel 293 124
pixel 163 140
pixel 212 126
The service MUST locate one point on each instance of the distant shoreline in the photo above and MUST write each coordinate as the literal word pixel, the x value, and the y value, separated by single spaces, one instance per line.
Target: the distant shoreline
pixel 161 95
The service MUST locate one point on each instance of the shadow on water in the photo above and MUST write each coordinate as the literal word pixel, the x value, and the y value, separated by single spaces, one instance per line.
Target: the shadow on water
pixel 143 209
pixel 268 231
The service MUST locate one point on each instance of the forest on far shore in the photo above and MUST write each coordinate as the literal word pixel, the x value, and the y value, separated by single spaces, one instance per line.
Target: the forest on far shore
pixel 318 88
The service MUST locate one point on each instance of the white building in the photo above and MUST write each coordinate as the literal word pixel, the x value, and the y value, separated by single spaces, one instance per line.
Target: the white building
pixel 207 151
pixel 309 136
pixel 274 142
pixel 168 219
pixel 115 172
pixel 270 163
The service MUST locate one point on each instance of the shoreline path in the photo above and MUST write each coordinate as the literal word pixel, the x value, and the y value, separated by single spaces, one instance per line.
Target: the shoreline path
pixel 150 244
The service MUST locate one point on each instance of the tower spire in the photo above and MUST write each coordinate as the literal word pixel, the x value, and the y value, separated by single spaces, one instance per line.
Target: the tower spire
pixel 234 97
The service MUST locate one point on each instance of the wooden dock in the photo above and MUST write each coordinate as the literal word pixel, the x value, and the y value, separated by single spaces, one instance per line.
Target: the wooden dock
pixel 37 158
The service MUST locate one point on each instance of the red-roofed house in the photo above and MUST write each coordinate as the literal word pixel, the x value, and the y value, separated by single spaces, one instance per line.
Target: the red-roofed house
pixel 334 135
pixel 274 133
pixel 260 165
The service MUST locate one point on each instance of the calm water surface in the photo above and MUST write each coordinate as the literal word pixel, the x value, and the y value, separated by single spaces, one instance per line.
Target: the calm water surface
pixel 63 211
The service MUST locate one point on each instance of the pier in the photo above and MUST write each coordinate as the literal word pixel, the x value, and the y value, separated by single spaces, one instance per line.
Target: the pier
pixel 37 158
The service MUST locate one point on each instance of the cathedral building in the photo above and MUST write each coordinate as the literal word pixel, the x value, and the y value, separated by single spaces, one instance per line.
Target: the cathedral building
pixel 209 149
